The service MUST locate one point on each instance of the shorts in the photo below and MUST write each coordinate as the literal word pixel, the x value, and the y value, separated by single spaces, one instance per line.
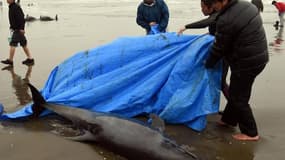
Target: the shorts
pixel 18 37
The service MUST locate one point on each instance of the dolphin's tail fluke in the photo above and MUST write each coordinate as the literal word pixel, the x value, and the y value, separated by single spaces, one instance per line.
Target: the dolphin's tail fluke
pixel 38 99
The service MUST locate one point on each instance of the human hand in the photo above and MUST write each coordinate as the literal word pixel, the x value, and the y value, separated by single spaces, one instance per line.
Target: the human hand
pixel 22 31
pixel 181 31
pixel 152 23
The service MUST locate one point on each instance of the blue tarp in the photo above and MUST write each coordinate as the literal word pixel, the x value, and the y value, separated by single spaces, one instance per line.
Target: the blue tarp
pixel 161 73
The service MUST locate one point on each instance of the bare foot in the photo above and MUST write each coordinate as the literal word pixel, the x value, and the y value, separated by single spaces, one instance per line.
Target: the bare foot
pixel 244 137
pixel 221 123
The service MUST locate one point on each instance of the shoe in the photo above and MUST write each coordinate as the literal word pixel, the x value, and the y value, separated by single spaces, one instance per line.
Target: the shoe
pixel 7 61
pixel 28 61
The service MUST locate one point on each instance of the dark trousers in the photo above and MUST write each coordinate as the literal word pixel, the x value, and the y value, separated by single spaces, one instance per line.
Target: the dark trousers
pixel 238 111
pixel 224 85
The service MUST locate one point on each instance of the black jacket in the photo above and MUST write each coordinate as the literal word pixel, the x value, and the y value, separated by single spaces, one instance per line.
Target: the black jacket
pixel 240 37
pixel 157 13
pixel 209 22
pixel 16 17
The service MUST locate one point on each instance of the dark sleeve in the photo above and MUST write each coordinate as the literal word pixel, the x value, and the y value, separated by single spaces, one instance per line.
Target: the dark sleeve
pixel 222 44
pixel 202 23
pixel 165 16
pixel 140 19
pixel 21 19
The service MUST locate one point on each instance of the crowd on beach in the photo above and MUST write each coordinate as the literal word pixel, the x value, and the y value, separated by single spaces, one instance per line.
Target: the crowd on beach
pixel 240 43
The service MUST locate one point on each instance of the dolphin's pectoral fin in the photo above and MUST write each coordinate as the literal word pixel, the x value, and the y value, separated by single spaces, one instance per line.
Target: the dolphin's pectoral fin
pixel 88 133
pixel 86 136
pixel 157 122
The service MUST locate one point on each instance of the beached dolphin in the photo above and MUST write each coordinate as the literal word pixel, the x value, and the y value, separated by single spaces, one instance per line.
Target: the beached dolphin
pixel 128 137
pixel 29 18
pixel 47 18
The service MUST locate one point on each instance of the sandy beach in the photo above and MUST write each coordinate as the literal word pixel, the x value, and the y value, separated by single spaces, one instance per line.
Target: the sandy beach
pixel 86 24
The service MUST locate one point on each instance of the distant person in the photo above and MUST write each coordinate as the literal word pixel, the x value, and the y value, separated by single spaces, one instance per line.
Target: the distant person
pixel 281 9
pixel 210 22
pixel 17 26
pixel 240 39
pixel 153 13
pixel 258 4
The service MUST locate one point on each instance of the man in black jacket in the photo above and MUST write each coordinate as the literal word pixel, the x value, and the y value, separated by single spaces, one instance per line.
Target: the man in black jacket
pixel 240 39
pixel 17 27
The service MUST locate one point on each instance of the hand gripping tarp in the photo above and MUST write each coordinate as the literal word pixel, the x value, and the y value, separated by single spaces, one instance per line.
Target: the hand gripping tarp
pixel 162 74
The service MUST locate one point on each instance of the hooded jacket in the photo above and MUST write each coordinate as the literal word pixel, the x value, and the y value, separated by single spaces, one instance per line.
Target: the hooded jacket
pixel 240 37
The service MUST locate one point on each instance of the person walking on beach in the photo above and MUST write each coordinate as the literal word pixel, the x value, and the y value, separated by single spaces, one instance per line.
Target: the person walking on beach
pixel 240 39
pixel 17 27
pixel 210 22
pixel 153 13
pixel 258 4
pixel 281 11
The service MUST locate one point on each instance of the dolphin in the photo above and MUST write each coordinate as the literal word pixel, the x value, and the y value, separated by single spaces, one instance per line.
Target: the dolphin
pixel 29 18
pixel 127 137
pixel 47 18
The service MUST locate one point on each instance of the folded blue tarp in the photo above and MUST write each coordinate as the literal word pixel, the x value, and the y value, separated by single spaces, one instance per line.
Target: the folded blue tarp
pixel 161 73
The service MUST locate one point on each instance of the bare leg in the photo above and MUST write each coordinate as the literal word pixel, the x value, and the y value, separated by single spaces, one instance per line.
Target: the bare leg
pixel 27 52
pixel 12 53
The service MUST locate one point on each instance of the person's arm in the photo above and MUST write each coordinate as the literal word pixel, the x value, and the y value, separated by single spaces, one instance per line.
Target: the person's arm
pixel 165 16
pixel 140 19
pixel 201 23
pixel 221 46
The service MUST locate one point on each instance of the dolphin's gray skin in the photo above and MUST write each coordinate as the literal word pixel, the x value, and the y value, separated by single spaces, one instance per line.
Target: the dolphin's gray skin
pixel 129 138
pixel 30 18
pixel 47 18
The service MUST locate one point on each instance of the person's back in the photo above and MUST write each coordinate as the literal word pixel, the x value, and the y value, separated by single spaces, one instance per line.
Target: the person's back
pixel 246 34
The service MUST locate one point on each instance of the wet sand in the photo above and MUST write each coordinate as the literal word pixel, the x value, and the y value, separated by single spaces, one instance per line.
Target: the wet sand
pixel 82 28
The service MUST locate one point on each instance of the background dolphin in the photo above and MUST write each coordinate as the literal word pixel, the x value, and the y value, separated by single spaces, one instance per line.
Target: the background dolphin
pixel 127 137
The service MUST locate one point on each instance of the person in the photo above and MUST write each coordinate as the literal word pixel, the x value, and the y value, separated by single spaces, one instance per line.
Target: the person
pixel 210 22
pixel 240 39
pixel 281 9
pixel 153 13
pixel 17 26
pixel 258 4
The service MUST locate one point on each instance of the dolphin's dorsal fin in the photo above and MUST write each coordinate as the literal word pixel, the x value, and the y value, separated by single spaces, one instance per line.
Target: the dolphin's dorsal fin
pixel 157 122
pixel 87 136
